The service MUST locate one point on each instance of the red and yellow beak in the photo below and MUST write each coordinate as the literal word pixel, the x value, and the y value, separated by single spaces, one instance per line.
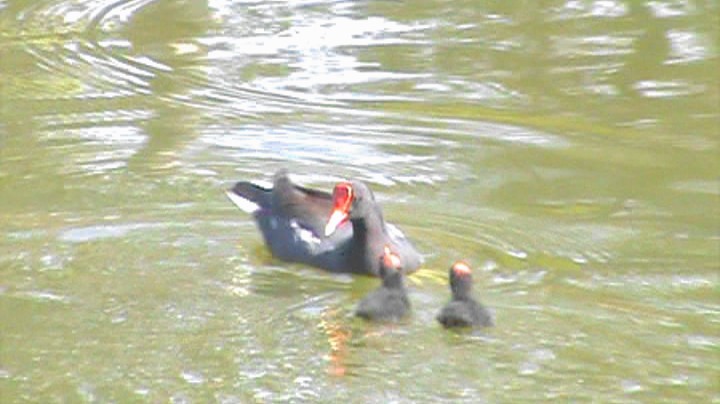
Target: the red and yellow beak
pixel 342 201
pixel 336 218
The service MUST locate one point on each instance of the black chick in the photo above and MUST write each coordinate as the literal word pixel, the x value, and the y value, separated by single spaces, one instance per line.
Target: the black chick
pixel 463 310
pixel 389 302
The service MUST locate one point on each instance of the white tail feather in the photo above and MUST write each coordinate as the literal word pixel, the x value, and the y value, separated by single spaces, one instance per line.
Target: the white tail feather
pixel 266 185
pixel 244 204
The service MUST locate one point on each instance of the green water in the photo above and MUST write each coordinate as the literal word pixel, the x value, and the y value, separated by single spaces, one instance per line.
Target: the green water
pixel 567 149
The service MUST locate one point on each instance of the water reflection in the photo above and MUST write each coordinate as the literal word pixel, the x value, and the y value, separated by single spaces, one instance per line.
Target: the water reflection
pixel 172 124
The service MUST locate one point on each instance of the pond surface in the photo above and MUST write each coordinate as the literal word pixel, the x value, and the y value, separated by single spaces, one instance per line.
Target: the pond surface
pixel 568 150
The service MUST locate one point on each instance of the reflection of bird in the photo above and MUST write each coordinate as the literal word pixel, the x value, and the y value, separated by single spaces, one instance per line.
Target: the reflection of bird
pixel 463 310
pixel 342 232
pixel 337 337
pixel 390 300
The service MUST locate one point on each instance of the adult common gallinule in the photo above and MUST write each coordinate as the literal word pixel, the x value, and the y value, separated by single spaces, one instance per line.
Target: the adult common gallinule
pixel 389 302
pixel 294 223
pixel 463 310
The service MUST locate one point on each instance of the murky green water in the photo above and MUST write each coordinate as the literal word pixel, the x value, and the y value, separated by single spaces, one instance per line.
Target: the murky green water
pixel 568 149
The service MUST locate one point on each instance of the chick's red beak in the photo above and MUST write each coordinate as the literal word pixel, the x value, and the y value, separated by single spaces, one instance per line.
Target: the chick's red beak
pixel 342 201
pixel 462 268
pixel 390 259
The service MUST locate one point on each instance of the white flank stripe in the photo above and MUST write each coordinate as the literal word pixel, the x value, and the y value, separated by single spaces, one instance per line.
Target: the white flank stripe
pixel 303 234
pixel 244 204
